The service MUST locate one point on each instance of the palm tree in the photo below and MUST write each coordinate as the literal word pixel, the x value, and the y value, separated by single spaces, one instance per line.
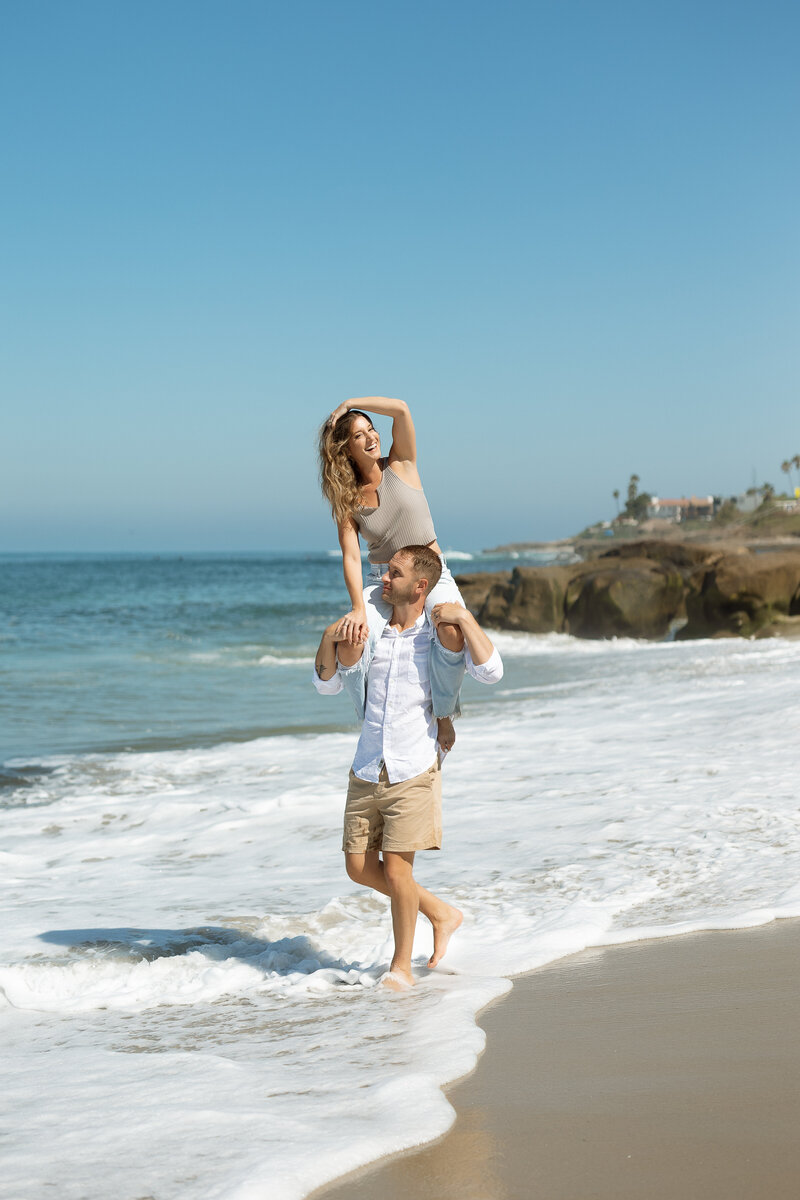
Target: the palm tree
pixel 786 467
pixel 632 490
pixel 615 494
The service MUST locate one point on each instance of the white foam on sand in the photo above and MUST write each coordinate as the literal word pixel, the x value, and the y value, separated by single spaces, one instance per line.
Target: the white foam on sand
pixel 188 1000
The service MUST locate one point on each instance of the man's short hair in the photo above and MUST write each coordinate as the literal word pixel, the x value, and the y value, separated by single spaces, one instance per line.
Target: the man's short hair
pixel 425 563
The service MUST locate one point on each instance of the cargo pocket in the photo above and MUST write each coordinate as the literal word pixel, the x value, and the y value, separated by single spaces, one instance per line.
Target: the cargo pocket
pixel 356 835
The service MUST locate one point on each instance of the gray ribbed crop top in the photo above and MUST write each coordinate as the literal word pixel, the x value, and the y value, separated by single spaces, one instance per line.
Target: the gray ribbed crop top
pixel 402 518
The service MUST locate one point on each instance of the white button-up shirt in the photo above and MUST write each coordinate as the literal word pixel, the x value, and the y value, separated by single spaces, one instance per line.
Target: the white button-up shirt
pixel 399 727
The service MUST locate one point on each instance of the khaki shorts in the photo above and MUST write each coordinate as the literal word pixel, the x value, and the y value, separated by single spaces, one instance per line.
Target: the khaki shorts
pixel 400 817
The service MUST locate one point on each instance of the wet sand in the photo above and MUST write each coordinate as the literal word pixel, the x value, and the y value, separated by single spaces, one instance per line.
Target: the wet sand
pixel 660 1070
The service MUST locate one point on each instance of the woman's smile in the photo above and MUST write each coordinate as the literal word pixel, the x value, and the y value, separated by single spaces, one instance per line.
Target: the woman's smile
pixel 364 438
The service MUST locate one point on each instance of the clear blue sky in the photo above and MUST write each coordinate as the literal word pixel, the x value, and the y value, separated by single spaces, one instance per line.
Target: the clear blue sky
pixel 566 233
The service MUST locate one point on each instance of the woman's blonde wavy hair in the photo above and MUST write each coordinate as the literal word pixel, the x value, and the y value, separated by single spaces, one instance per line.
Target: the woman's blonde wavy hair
pixel 338 478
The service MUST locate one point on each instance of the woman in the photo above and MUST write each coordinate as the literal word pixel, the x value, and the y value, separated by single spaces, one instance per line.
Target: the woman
pixel 381 499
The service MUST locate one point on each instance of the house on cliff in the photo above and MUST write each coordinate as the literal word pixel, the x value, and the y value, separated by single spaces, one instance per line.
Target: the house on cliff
pixel 692 509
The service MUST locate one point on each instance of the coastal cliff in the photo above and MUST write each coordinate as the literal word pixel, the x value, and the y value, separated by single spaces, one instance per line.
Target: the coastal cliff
pixel 647 589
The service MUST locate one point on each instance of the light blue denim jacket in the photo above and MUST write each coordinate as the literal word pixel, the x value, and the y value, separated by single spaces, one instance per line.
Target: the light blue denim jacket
pixel 447 671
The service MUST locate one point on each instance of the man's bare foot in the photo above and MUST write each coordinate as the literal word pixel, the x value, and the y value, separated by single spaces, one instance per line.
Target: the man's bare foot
pixel 398 980
pixel 446 736
pixel 443 930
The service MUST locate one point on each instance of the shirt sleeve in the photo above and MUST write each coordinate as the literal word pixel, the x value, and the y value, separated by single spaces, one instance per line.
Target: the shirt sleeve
pixel 489 672
pixel 327 687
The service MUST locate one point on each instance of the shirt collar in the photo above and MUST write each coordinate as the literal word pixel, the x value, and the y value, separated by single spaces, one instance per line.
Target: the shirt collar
pixel 419 624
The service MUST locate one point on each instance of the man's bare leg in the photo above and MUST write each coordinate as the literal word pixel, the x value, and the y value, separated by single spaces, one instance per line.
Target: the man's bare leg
pixel 398 871
pixel 368 870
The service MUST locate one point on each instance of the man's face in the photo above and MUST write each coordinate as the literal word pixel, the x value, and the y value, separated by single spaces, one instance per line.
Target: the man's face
pixel 400 584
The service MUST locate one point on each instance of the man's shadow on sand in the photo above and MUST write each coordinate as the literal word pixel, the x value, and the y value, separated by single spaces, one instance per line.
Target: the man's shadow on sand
pixel 130 944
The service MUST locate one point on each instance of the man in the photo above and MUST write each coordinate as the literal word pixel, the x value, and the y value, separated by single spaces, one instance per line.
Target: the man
pixel 401 679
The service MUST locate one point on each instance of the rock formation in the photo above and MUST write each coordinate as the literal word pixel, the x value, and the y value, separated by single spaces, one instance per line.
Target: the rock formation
pixel 628 597
pixel 743 594
pixel 644 590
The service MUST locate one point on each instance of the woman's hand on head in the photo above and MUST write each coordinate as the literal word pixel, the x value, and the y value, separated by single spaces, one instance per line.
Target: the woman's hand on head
pixel 339 412
pixel 352 628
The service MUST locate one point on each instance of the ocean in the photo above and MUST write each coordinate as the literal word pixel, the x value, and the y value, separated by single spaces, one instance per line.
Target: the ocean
pixel 188 1000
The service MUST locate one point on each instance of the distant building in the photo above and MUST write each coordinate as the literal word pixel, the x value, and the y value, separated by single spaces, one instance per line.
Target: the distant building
pixel 692 508
pixel 749 501
pixel 665 510
pixel 700 507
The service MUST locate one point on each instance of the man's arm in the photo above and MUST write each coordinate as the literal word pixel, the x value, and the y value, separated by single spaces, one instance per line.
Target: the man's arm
pixel 332 653
pixel 457 629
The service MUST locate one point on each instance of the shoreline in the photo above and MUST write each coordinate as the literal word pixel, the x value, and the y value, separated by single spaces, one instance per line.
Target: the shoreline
pixel 661 1068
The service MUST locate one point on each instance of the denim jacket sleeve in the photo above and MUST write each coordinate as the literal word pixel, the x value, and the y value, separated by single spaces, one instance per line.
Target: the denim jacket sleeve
pixel 447 675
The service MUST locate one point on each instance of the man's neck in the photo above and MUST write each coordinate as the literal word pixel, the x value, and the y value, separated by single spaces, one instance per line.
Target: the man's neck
pixel 404 616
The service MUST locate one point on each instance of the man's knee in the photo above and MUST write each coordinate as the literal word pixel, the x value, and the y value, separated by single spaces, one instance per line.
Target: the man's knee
pixel 397 870
pixel 354 865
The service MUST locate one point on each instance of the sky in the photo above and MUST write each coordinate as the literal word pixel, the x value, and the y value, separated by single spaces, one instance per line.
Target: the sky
pixel 566 233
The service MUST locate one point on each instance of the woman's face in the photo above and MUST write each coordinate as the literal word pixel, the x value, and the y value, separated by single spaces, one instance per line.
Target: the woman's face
pixel 363 445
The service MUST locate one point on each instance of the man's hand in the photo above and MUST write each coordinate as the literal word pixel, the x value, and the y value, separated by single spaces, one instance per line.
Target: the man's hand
pixel 449 613
pixel 335 651
pixel 447 618
pixel 352 628
pixel 455 626
pixel 446 736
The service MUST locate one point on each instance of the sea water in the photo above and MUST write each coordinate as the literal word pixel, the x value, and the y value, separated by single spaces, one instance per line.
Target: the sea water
pixel 188 999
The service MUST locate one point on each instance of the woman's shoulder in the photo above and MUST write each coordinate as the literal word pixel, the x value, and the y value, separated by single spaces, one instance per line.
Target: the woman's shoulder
pixel 406 472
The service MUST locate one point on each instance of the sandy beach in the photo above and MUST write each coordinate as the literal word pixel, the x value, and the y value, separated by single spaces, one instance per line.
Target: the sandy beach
pixel 659 1070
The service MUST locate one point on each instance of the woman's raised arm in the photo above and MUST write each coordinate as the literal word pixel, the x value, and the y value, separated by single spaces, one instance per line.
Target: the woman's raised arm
pixel 404 439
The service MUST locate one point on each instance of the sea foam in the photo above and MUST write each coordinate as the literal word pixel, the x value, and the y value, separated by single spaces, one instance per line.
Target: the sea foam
pixel 189 978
